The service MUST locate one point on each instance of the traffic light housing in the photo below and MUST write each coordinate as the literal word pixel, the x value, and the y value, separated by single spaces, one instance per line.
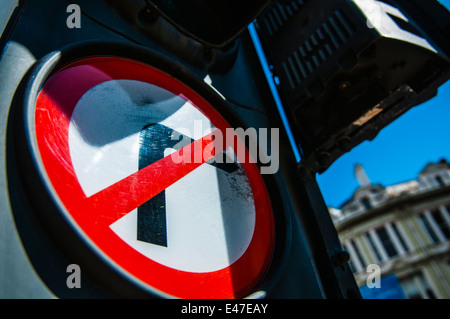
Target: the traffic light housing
pixel 220 23
pixel 38 46
pixel 346 69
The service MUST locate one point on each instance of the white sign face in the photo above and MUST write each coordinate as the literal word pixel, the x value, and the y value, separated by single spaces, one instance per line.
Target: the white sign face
pixel 379 17
pixel 209 213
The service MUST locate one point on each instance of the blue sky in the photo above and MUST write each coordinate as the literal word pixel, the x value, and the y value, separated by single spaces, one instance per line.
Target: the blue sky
pixel 399 152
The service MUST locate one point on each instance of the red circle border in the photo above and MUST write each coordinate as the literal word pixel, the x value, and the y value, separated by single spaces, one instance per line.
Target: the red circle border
pixel 54 107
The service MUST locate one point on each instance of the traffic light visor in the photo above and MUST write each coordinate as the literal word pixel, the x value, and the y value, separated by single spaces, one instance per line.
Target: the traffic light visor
pixel 221 21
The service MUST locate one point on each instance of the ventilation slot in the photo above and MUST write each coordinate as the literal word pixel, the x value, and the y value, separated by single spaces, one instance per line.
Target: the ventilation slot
pixel 280 14
pixel 320 45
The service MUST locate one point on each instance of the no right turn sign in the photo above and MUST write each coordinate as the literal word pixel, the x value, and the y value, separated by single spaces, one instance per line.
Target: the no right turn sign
pixel 108 130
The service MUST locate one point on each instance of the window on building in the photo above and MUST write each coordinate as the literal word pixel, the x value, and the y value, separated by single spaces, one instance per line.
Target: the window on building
pixel 400 237
pixel 386 241
pixel 365 201
pixel 441 223
pixel 417 287
pixel 358 253
pixel 439 181
pixel 375 190
pixel 352 266
pixel 410 288
pixel 428 291
pixel 374 248
pixel 426 224
pixel 355 263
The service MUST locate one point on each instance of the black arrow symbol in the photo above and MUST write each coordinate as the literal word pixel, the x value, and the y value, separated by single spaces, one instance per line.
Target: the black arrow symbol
pixel 151 219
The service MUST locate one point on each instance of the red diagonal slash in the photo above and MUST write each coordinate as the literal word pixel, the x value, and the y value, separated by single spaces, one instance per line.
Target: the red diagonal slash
pixel 141 186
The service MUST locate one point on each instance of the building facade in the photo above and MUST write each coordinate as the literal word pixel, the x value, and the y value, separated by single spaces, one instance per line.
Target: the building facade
pixel 403 229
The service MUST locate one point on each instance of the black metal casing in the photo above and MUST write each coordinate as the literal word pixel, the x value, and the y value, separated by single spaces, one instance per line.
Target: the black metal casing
pixel 346 69
pixel 36 43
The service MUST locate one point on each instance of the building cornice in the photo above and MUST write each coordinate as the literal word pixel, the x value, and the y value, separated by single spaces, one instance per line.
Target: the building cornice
pixel 389 206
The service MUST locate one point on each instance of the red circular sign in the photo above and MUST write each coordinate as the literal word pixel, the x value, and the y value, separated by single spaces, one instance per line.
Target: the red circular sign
pixel 92 214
